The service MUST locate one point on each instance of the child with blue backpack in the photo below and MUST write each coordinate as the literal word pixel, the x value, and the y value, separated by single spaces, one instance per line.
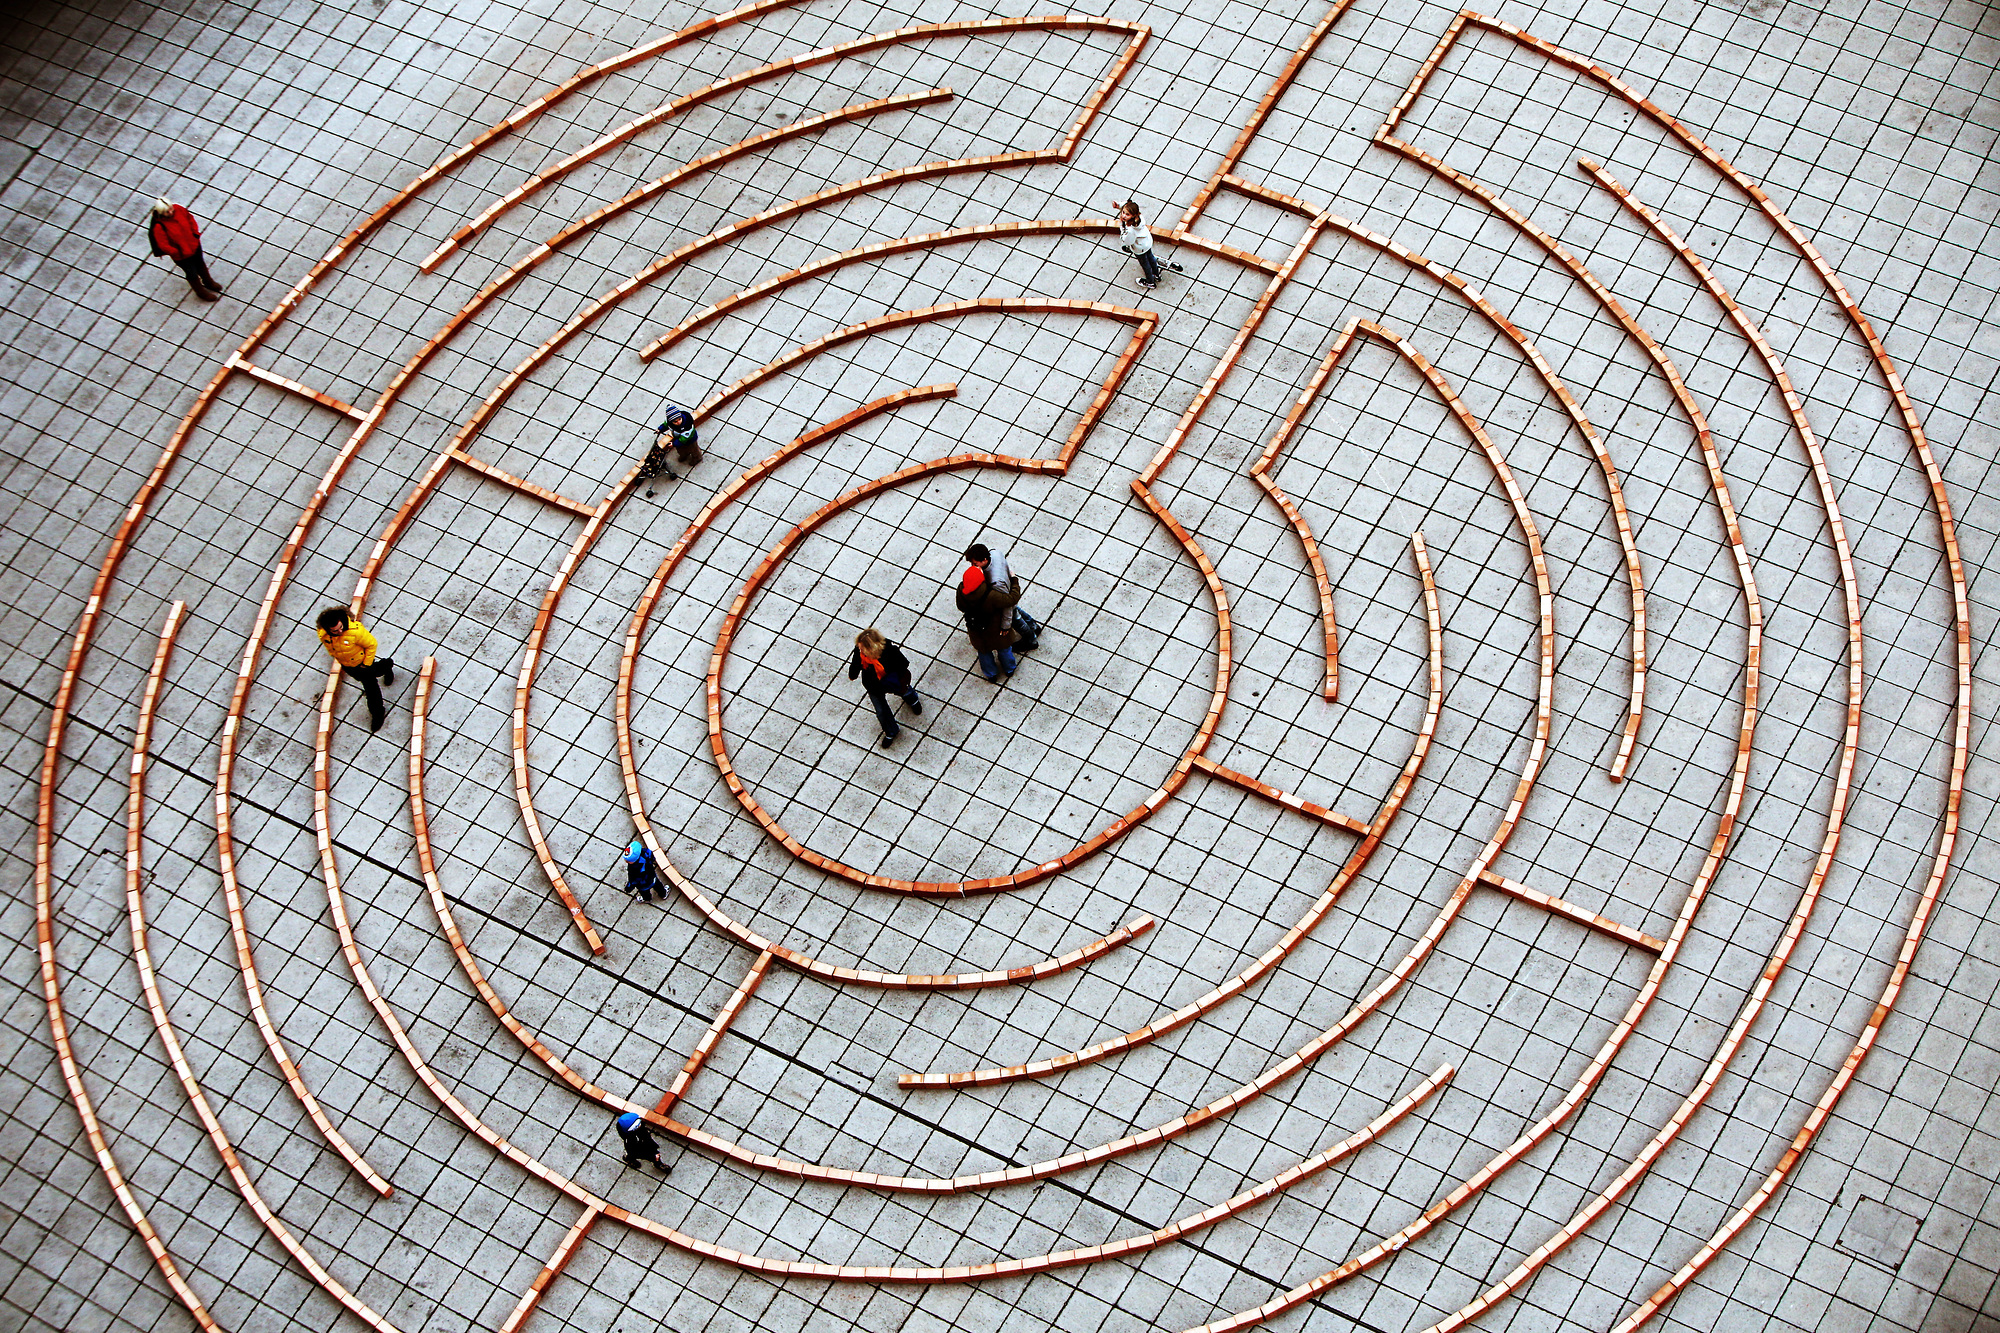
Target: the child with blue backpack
pixel 642 873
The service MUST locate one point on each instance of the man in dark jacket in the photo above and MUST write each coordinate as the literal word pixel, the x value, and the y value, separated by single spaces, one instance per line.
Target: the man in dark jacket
pixel 176 234
pixel 989 615
pixel 883 670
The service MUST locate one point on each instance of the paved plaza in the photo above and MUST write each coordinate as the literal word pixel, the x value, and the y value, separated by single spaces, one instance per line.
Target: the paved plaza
pixel 1494 833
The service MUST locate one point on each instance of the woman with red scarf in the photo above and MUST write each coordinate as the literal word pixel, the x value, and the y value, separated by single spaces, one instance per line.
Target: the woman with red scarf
pixel 176 235
pixel 883 670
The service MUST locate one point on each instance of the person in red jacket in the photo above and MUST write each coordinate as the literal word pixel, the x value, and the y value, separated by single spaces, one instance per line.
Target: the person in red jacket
pixel 176 234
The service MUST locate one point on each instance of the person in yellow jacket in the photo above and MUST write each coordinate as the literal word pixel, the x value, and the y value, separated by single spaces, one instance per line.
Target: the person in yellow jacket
pixel 354 648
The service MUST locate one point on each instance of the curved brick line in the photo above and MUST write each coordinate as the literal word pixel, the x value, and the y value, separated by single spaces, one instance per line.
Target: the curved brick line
pixel 1265 105
pixel 733 618
pixel 420 823
pixel 1203 396
pixel 1174 1128
pixel 1531 767
pixel 1260 472
pixel 1117 1249
pixel 1317 564
pixel 1767 979
pixel 1962 721
pixel 775 69
pixel 899 319
pixel 280 577
pixel 1717 482
pixel 45 820
pixel 163 1023
pixel 1371 838
pixel 232 891
pixel 239 926
pixel 479 142
pixel 705 162
pixel 629 767
pixel 458 449
pixel 529 261
pixel 509 382
pixel 726 637
pixel 524 684
pixel 558 584
pixel 1634 575
pixel 902 245
pixel 827 1175
pixel 1480 1179
pixel 1530 771
pixel 1732 804
pixel 419 493
pixel 896 319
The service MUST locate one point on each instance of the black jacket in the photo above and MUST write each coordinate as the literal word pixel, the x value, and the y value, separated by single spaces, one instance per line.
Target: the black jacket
pixel 895 666
pixel 989 615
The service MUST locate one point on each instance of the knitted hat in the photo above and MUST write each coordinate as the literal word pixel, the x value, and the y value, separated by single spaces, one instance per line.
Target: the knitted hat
pixel 163 206
pixel 629 1121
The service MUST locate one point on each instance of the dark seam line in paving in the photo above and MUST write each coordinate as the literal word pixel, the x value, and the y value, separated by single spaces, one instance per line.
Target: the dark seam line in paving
pixel 561 947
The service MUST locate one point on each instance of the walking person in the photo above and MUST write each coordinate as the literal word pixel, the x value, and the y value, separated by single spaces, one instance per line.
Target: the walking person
pixel 1137 239
pixel 677 432
pixel 993 564
pixel 642 873
pixel 351 645
pixel 989 612
pixel 883 670
pixel 176 234
pixel 638 1141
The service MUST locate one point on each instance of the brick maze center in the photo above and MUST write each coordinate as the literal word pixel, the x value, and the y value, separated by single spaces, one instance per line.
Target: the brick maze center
pixel 1492 832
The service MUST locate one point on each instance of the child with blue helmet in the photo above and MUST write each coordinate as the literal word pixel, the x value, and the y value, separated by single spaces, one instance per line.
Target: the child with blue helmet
pixel 638 1140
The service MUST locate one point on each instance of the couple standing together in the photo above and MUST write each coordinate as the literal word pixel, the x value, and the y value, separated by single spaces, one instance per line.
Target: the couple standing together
pixel 988 598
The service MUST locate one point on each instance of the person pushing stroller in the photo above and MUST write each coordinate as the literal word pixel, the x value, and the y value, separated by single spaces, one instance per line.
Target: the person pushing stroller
pixel 676 432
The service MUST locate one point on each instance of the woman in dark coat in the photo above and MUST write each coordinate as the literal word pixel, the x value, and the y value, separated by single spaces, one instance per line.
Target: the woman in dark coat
pixel 989 618
pixel 883 670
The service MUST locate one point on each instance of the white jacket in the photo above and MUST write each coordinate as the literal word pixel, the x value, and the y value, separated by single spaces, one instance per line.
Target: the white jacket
pixel 1136 239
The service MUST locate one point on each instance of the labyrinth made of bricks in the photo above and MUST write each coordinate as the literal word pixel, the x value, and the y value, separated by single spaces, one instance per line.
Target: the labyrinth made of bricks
pixel 1493 833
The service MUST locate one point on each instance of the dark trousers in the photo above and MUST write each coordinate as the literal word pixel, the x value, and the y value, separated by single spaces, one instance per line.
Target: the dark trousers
pixel 642 883
pixel 369 675
pixel 639 1147
pixel 881 702
pixel 1149 265
pixel 1028 628
pixel 198 276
